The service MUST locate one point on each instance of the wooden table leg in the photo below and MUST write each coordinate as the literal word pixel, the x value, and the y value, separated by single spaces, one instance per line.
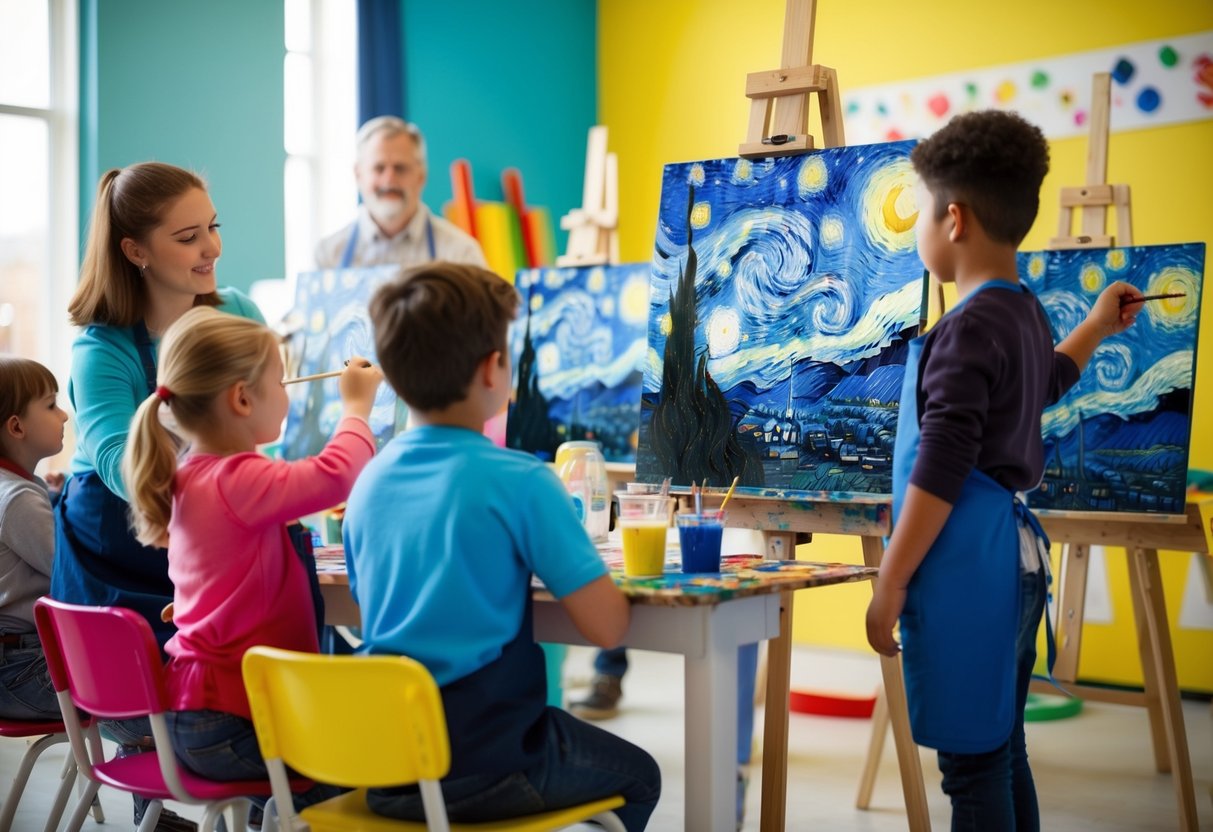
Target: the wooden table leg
pixel 912 785
pixel 1153 628
pixel 775 727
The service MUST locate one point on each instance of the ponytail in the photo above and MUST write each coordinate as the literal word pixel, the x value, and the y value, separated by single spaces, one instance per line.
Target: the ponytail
pixel 148 466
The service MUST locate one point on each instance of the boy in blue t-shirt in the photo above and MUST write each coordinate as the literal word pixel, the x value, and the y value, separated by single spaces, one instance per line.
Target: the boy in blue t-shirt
pixel 965 566
pixel 443 532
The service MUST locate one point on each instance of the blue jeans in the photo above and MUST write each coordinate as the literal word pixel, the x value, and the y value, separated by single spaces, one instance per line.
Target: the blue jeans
pixel 581 762
pixel 993 791
pixel 612 662
pixel 26 691
pixel 222 746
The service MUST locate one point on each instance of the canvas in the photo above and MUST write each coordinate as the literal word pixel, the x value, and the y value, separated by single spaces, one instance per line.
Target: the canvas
pixel 1119 439
pixel 334 324
pixel 578 347
pixel 784 294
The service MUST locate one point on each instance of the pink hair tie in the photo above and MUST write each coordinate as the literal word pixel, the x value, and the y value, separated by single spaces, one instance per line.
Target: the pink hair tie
pixel 163 393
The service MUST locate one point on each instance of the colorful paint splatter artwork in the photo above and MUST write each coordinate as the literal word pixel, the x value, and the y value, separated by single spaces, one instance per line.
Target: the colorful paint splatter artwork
pixel 578 348
pixel 335 324
pixel 784 293
pixel 1119 439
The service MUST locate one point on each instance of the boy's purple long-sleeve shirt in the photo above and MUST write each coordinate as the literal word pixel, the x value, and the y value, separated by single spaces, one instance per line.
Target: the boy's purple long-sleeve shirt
pixel 988 370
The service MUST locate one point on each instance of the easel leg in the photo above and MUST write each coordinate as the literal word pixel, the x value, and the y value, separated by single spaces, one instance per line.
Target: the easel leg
pixel 880 729
pixel 1075 559
pixel 1149 666
pixel 907 752
pixel 1165 696
pixel 775 728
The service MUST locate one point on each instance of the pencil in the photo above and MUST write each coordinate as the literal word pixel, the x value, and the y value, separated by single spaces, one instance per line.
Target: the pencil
pixel 1143 298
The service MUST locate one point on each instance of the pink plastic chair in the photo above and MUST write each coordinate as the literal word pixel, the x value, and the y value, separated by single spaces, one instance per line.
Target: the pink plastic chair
pixel 49 733
pixel 104 661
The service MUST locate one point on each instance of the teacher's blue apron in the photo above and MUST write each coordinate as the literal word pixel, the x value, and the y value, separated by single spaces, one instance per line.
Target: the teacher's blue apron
pixel 347 256
pixel 961 616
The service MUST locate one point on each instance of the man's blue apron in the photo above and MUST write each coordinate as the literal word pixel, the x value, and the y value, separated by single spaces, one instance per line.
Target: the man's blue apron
pixel 347 256
pixel 961 616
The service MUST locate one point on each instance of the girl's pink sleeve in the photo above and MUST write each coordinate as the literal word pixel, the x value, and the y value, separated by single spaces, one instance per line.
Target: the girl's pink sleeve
pixel 259 490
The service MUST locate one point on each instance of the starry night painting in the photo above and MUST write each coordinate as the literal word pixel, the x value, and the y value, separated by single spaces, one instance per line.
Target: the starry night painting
pixel 335 324
pixel 784 293
pixel 578 350
pixel 1119 439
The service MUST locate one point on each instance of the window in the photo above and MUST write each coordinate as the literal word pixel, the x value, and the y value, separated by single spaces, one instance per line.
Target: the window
pixel 38 179
pixel 320 118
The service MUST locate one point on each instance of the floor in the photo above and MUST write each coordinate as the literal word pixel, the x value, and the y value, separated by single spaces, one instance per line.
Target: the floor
pixel 1093 772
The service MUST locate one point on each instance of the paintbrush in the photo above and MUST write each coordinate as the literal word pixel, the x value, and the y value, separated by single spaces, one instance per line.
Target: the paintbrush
pixel 732 488
pixel 318 376
pixel 1143 298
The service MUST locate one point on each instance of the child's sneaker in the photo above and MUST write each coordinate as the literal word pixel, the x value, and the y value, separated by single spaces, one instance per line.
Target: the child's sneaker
pixel 603 701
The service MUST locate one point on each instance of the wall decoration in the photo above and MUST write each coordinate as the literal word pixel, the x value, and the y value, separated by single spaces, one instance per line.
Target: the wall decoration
pixel 1156 82
pixel 334 324
pixel 578 347
pixel 1119 439
pixel 784 292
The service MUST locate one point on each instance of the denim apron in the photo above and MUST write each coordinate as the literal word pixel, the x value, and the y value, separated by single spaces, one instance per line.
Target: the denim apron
pixel 347 256
pixel 98 561
pixel 961 616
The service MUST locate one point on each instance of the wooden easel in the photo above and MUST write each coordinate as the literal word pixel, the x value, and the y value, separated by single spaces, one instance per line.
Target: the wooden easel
pixel 594 227
pixel 1141 535
pixel 787 91
pixel 1096 197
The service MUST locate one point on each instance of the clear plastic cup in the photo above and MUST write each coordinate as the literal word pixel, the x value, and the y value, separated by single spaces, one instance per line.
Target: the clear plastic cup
pixel 699 536
pixel 643 520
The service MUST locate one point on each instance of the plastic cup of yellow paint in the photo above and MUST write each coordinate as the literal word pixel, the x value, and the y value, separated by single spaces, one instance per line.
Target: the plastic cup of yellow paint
pixel 643 520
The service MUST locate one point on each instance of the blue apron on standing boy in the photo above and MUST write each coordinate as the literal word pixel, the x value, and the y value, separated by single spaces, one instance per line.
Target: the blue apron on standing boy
pixel 961 616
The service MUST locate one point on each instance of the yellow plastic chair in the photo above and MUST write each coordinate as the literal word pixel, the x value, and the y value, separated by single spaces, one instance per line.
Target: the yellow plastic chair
pixel 390 731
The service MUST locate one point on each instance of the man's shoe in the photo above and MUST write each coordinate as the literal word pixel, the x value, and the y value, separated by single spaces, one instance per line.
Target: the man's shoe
pixel 603 701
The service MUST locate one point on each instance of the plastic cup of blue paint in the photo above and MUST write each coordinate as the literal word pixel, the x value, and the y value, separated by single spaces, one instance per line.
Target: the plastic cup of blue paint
pixel 699 537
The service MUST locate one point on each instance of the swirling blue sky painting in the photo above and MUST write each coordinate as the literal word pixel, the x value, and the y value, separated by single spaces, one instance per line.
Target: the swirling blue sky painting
pixel 1119 439
pixel 783 295
pixel 335 324
pixel 578 348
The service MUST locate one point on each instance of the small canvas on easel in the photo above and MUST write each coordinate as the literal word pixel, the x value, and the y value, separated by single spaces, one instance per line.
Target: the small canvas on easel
pixel 335 325
pixel 578 348
pixel 784 294
pixel 1119 439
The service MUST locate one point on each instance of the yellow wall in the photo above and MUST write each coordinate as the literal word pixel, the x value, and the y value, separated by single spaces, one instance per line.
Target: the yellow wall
pixel 671 82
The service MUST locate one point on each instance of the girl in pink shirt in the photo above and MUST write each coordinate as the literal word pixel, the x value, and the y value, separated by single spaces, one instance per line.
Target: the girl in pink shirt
pixel 223 513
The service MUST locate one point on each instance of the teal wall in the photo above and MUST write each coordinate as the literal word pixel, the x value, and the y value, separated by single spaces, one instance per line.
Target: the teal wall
pixel 503 85
pixel 198 85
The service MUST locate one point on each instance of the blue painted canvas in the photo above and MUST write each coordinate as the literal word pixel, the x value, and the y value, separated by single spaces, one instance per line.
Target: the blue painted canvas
pixel 578 347
pixel 784 293
pixel 334 324
pixel 1119 439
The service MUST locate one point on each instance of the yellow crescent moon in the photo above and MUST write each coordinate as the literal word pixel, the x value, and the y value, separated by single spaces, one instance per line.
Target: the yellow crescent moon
pixel 895 221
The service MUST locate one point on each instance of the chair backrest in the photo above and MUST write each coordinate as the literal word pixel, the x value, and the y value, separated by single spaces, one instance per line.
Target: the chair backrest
pixel 359 721
pixel 105 657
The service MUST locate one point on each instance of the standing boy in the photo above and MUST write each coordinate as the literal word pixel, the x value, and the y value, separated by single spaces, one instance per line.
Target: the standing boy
pixel 965 567
pixel 443 532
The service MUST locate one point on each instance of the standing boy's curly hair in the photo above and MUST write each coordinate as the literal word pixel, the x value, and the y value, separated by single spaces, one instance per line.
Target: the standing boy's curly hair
pixel 992 161
pixel 435 324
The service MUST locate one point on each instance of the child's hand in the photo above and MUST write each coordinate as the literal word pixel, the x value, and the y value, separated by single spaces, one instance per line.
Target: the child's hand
pixel 357 385
pixel 54 482
pixel 883 612
pixel 1108 315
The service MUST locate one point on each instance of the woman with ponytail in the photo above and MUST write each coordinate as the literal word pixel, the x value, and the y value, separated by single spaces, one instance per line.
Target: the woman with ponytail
pixel 223 511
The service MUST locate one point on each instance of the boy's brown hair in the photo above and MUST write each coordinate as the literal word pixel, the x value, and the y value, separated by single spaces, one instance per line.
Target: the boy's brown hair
pixel 992 161
pixel 434 325
pixel 21 382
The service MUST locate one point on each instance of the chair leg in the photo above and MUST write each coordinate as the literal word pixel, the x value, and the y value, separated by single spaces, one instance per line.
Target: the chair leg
pixel 82 806
pixel 67 778
pixel 609 821
pixel 9 811
pixel 152 816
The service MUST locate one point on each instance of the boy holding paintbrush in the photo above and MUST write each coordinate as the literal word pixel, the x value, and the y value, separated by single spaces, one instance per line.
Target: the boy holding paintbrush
pixel 443 533
pixel 965 568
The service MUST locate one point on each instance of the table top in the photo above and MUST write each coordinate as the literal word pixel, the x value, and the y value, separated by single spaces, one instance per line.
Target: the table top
pixel 740 576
